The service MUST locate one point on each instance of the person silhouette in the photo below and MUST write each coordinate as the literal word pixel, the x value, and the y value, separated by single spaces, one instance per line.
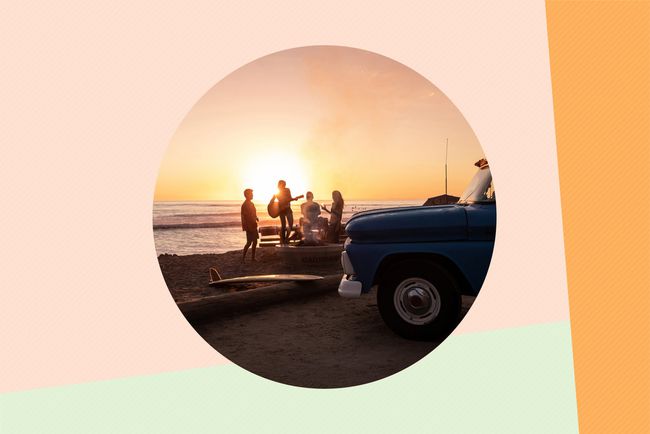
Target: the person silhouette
pixel 285 213
pixel 310 211
pixel 336 215
pixel 249 224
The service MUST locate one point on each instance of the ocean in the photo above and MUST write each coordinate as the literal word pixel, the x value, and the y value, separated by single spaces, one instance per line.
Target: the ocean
pixel 187 228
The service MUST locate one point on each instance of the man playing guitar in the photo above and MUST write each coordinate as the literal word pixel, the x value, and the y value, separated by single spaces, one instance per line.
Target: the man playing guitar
pixel 284 208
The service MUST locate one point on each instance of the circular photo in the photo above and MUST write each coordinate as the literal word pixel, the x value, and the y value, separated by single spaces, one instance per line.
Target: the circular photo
pixel 324 217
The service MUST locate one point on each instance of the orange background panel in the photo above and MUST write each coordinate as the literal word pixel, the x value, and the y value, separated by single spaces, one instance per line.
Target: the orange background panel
pixel 600 71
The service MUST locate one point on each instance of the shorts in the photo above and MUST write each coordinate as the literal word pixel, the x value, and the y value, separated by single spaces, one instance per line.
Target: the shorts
pixel 252 235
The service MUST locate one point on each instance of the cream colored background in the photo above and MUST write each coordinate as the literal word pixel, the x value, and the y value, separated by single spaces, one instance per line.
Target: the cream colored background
pixel 90 96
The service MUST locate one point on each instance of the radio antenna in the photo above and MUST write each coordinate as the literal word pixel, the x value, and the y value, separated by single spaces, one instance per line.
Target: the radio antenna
pixel 446 153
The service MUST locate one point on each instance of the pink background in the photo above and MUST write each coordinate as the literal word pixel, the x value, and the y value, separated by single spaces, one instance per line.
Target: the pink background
pixel 91 95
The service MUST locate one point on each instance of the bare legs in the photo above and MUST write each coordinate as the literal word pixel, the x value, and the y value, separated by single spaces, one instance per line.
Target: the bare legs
pixel 249 244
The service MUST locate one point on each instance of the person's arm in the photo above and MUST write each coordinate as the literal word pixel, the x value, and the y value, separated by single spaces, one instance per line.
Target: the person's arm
pixel 326 210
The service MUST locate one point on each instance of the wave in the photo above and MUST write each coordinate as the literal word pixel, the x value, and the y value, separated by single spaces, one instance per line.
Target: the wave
pixel 207 225
pixel 206 214
pixel 196 204
pixel 203 225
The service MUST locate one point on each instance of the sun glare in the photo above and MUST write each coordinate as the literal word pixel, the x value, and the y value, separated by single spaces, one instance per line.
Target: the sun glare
pixel 263 173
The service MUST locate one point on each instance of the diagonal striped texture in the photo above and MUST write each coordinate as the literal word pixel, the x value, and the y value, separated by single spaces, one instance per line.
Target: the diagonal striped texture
pixel 600 70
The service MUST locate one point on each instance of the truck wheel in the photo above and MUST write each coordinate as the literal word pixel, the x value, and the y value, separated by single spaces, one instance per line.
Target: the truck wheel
pixel 419 300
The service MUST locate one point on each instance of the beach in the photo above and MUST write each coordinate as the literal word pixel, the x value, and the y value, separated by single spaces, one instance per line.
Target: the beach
pixel 315 340
pixel 187 276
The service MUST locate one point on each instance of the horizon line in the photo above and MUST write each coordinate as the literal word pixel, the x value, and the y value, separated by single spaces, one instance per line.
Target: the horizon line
pixel 316 199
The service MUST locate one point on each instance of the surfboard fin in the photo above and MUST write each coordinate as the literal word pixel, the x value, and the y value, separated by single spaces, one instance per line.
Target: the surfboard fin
pixel 214 275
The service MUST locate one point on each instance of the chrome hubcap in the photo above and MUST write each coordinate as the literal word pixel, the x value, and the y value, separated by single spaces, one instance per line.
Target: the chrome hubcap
pixel 417 301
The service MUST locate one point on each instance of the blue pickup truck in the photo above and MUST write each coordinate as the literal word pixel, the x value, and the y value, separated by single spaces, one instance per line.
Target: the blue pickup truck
pixel 422 259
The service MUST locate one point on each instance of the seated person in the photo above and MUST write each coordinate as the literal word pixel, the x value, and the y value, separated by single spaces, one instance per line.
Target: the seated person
pixel 310 211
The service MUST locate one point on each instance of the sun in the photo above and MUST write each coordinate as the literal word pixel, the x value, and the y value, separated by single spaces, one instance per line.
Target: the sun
pixel 262 173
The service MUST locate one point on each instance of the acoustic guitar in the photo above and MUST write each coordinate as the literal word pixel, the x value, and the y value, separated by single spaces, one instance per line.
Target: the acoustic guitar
pixel 274 206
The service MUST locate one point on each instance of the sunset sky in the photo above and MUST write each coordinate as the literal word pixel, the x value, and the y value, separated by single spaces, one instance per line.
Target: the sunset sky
pixel 322 118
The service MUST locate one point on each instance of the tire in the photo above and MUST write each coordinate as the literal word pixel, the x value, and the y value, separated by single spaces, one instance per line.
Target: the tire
pixel 419 300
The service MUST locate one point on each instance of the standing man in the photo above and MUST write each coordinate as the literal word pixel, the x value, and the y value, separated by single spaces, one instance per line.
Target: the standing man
pixel 249 223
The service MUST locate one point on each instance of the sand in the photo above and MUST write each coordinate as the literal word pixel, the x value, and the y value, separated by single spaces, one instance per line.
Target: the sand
pixel 187 276
pixel 321 341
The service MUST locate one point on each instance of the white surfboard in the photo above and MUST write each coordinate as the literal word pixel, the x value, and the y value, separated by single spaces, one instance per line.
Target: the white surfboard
pixel 215 278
